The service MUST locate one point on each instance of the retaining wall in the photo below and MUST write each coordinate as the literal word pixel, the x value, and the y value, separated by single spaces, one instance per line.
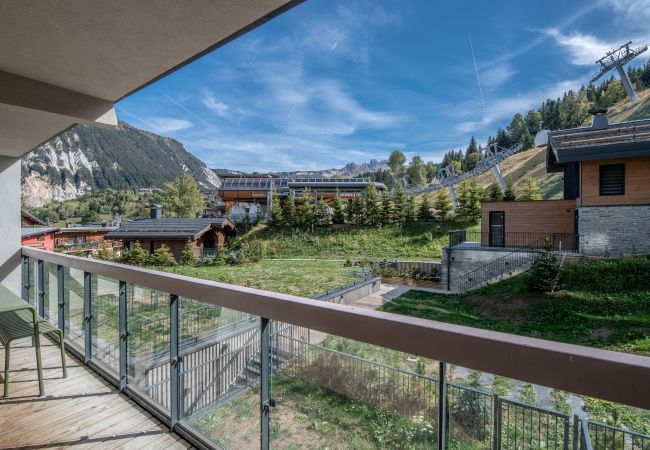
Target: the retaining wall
pixel 614 230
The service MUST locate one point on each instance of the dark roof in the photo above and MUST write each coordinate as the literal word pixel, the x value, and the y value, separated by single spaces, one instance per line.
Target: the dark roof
pixel 284 183
pixel 35 220
pixel 29 232
pixel 169 228
pixel 619 140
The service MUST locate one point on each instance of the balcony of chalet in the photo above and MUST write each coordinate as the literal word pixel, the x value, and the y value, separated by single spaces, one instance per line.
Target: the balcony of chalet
pixel 157 360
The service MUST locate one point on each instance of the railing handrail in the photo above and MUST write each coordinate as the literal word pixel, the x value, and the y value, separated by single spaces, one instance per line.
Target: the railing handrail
pixel 583 370
pixel 619 430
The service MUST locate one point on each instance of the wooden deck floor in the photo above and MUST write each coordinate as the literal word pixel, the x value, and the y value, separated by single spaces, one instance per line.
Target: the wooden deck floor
pixel 81 411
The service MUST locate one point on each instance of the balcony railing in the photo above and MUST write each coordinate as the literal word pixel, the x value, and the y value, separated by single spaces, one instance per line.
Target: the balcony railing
pixel 565 242
pixel 228 366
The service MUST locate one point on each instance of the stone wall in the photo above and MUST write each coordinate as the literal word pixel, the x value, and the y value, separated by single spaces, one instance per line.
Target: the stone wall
pixel 463 260
pixel 614 230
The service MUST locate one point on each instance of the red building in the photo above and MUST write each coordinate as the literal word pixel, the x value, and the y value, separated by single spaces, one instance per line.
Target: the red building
pixel 39 237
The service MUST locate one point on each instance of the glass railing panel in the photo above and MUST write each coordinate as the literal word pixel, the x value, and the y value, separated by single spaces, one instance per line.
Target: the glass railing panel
pixel 333 392
pixel 105 345
pixel 219 374
pixel 74 307
pixel 51 294
pixel 148 370
pixel 31 281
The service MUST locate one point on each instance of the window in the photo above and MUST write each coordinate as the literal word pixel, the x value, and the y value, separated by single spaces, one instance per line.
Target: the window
pixel 612 179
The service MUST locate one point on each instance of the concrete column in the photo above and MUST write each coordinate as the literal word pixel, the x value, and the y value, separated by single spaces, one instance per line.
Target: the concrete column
pixel 10 223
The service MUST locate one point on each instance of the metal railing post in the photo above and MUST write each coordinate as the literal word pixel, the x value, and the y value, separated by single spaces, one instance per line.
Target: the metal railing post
pixel 24 275
pixel 40 286
pixel 88 317
pixel 576 431
pixel 175 361
pixel 442 405
pixel 566 432
pixel 124 332
pixel 497 422
pixel 60 296
pixel 265 372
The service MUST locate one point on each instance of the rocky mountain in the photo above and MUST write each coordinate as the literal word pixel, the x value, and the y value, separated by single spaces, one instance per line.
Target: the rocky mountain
pixel 85 159
pixel 349 170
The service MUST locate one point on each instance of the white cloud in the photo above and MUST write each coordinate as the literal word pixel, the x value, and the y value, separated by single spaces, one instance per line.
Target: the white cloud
pixel 167 124
pixel 495 76
pixel 631 13
pixel 505 108
pixel 583 49
pixel 218 107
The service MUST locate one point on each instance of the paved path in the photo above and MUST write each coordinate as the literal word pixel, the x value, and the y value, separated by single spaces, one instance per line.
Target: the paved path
pixel 388 292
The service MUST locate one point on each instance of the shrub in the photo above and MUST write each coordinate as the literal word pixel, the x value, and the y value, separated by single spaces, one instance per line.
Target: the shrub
pixel 163 256
pixel 543 274
pixel 187 255
pixel 135 257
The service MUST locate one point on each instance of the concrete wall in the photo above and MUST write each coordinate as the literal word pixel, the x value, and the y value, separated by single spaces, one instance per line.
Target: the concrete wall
pixel 349 295
pixel 10 220
pixel 614 230
pixel 458 262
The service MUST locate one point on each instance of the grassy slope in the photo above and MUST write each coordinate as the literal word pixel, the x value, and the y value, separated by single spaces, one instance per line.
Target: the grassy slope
pixel 304 278
pixel 532 162
pixel 413 241
pixel 605 304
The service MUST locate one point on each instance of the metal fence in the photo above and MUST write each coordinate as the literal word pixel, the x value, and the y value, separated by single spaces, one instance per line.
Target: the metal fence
pixel 565 242
pixel 157 376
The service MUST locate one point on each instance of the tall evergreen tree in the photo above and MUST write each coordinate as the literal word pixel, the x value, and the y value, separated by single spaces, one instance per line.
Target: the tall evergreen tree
pixel 495 193
pixel 386 209
pixel 411 208
pixel 289 211
pixel 527 140
pixel 339 209
pixel 424 210
pixel 400 205
pixel 469 201
pixel 510 195
pixel 530 189
pixel 417 172
pixel 371 205
pixel 443 205
pixel 322 213
pixel 276 215
pixel 307 217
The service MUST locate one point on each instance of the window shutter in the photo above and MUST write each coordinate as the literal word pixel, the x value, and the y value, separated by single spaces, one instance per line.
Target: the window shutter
pixel 612 179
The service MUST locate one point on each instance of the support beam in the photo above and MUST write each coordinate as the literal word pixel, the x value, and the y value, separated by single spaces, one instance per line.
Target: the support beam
pixel 629 86
pixel 499 177
pixel 31 94
pixel 10 223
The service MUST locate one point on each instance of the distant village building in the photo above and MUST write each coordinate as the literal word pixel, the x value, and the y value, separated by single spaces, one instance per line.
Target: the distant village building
pixel 205 233
pixel 89 239
pixel 250 195
pixel 35 232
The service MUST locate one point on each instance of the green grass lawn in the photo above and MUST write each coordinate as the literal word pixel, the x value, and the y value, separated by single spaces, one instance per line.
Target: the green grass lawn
pixel 303 278
pixel 411 241
pixel 603 304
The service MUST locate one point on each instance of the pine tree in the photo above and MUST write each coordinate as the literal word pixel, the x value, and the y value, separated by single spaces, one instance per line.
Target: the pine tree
pixel 339 209
pixel 509 195
pixel 163 256
pixel 371 205
pixel 411 208
pixel 322 214
pixel 289 211
pixel 417 172
pixel 307 216
pixel 530 191
pixel 187 255
pixel 276 214
pixel 424 211
pixel 527 140
pixel 495 193
pixel 400 204
pixel 350 211
pixel 469 202
pixel 386 209
pixel 443 205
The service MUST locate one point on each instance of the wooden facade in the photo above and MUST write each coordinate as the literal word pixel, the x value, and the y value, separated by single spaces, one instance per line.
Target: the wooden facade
pixel 177 245
pixel 637 183
pixel 535 217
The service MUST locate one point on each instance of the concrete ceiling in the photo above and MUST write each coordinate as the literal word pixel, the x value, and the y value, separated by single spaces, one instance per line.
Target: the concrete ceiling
pixel 67 61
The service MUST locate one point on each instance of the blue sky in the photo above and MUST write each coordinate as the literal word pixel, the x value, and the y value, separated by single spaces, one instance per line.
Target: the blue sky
pixel 335 81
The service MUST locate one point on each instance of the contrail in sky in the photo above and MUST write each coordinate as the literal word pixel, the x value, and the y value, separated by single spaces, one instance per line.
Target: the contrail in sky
pixel 480 89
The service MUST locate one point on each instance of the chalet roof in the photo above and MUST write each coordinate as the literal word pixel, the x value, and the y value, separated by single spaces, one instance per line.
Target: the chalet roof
pixel 31 218
pixel 169 228
pixel 88 229
pixel 284 183
pixel 619 140
pixel 37 231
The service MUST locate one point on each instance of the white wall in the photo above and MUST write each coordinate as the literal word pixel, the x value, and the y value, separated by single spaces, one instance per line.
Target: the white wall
pixel 10 223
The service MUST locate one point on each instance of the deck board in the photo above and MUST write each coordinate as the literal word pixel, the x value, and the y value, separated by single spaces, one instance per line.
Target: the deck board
pixel 82 411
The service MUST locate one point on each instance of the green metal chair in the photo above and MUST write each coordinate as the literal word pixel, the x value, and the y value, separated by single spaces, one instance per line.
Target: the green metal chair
pixel 19 324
